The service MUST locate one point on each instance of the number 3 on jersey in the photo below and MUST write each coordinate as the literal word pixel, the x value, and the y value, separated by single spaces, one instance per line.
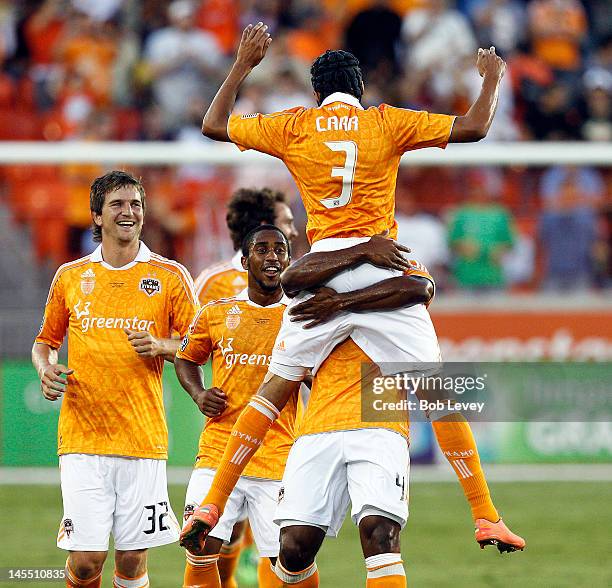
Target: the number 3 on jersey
pixel 347 173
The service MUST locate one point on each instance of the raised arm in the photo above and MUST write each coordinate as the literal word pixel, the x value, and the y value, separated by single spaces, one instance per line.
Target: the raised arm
pixel 253 46
pixel 474 125
pixel 389 294
pixel 315 269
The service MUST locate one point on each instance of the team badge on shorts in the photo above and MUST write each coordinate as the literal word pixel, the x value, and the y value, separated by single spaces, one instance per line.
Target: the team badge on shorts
pixel 88 281
pixel 189 510
pixel 150 286
pixel 184 343
pixel 68 527
pixel 281 494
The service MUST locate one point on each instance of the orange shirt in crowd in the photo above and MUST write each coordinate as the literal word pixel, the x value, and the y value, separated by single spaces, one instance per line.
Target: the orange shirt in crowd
pixel 558 27
pixel 113 402
pixel 344 159
pixel 239 335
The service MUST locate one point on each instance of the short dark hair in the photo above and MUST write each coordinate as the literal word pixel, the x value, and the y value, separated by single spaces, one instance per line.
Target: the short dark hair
pixel 336 71
pixel 106 184
pixel 249 238
pixel 249 208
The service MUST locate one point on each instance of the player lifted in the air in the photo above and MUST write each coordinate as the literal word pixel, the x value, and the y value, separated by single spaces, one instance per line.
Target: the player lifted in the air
pixel 344 160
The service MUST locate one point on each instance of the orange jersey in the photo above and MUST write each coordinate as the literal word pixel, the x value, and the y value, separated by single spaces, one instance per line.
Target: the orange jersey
pixel 221 280
pixel 239 335
pixel 337 388
pixel 344 159
pixel 113 402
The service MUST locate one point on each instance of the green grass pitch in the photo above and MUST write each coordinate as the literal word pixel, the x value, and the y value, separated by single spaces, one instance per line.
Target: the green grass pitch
pixel 566 525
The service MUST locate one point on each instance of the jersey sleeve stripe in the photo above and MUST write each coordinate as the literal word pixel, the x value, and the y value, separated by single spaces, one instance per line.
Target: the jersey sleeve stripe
pixel 61 269
pixel 178 270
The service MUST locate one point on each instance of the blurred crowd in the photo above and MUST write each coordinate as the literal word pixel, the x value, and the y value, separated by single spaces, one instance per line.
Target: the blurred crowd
pixel 145 70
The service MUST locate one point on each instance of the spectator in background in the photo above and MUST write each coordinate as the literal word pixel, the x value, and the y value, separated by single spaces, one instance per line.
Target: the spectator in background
pixel 558 27
pixel 570 200
pixel 500 23
pixel 597 124
pixel 288 91
pixel 437 38
pixel 554 116
pixel 98 10
pixel 220 18
pixel 8 30
pixel 425 234
pixel 87 51
pixel 183 63
pixel 373 36
pixel 42 33
pixel 480 233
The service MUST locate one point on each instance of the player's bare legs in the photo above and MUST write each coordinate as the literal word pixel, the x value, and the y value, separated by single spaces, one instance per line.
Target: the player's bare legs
pixel 84 568
pixel 247 436
pixel 131 568
pixel 296 560
pixel 380 542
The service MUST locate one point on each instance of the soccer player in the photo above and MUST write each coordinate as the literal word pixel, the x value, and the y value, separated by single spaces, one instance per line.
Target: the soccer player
pixel 344 160
pixel 365 462
pixel 247 209
pixel 119 307
pixel 238 333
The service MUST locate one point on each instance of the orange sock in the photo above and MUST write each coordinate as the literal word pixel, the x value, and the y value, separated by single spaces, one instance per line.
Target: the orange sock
pixel 308 578
pixel 247 435
pixel 385 571
pixel 72 581
pixel 457 443
pixel 266 578
pixel 228 560
pixel 201 571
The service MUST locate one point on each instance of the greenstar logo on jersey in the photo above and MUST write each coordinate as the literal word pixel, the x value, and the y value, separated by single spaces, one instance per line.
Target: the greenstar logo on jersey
pixel 84 314
pixel 231 359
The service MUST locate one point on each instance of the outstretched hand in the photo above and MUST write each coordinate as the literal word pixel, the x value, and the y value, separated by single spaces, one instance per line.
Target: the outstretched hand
pixel 253 45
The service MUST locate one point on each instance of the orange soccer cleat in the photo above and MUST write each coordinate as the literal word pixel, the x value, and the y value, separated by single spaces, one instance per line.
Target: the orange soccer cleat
pixel 198 525
pixel 488 533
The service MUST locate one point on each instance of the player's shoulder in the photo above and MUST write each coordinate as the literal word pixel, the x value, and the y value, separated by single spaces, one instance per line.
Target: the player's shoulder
pixel 69 269
pixel 214 272
pixel 171 266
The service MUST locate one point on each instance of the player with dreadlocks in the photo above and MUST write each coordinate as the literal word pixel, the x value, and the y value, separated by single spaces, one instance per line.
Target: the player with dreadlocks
pixel 344 160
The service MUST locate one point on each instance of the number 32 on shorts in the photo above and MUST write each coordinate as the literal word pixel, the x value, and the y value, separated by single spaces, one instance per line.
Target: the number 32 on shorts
pixel 157 516
pixel 347 173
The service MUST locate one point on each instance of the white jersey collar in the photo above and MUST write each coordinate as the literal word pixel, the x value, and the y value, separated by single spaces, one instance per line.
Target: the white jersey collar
pixel 143 256
pixel 244 296
pixel 237 262
pixel 342 97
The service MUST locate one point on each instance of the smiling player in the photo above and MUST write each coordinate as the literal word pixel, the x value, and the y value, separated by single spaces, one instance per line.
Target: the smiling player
pixel 118 307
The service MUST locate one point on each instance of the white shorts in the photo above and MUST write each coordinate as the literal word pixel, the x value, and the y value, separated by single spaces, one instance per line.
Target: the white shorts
pixel 255 498
pixel 368 467
pixel 104 494
pixel 405 335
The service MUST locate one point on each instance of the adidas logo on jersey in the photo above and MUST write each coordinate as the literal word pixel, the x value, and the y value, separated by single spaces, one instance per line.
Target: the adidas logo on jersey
pixel 232 320
pixel 280 346
pixel 88 282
